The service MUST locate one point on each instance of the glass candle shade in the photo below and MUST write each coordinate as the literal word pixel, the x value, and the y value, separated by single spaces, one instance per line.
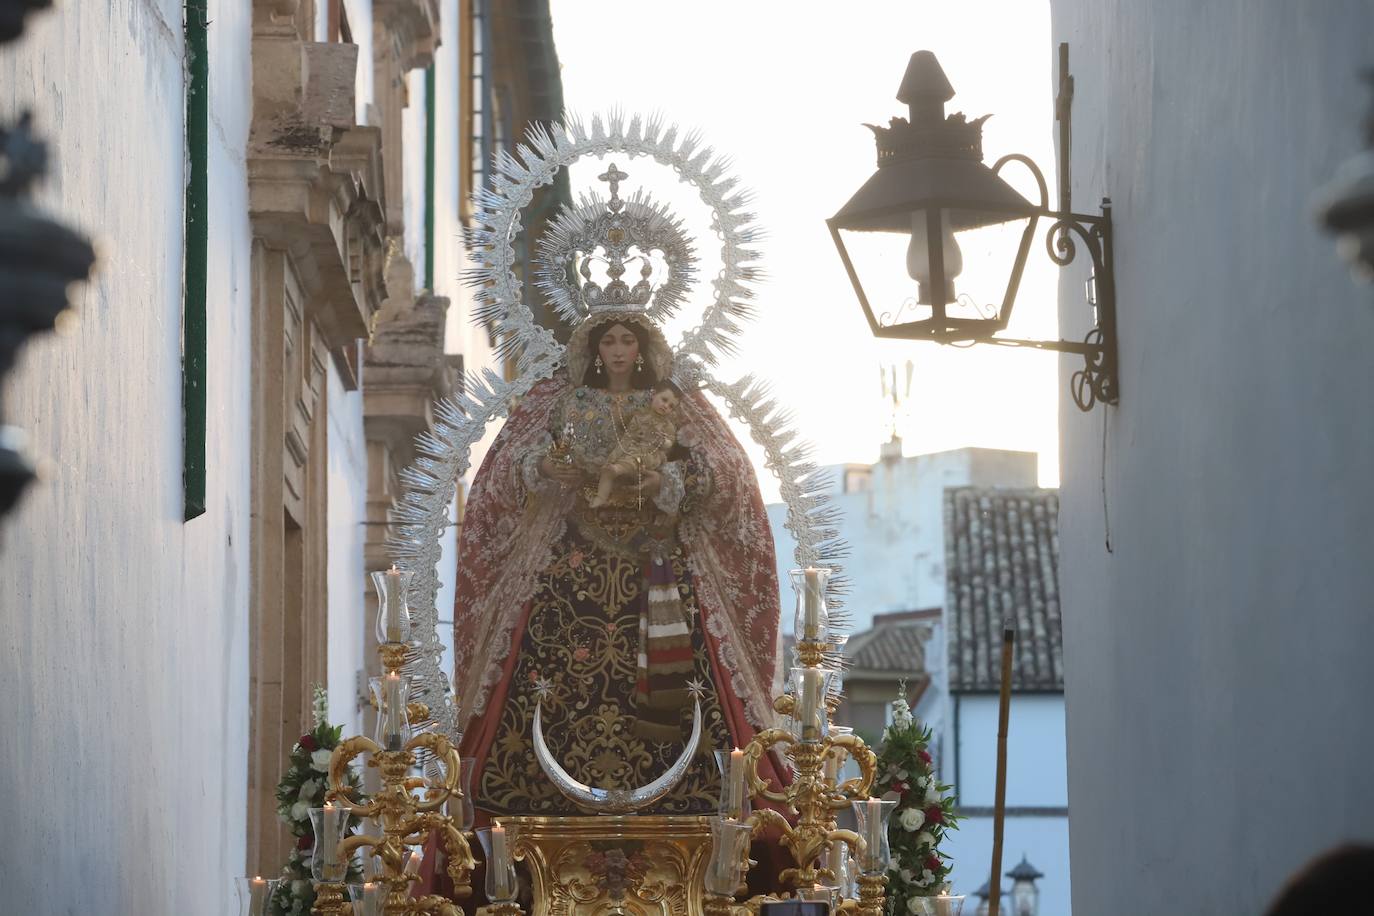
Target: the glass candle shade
pixel 391 692
pixel 940 905
pixel 329 824
pixel 393 614
pixel 838 861
pixel 461 808
pixel 255 894
pixel 818 893
pixel 810 719
pixel 501 882
pixel 368 899
pixel 734 795
pixel 812 620
pixel 729 845
pixel 871 816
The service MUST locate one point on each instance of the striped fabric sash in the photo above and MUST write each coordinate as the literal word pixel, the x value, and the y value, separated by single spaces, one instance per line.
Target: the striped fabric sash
pixel 665 658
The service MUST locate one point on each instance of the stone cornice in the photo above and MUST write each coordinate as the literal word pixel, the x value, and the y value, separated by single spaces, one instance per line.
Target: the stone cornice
pixel 314 180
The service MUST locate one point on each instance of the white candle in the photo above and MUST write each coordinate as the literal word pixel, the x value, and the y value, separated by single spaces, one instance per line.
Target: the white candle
pixel 257 896
pixel 500 862
pixel 395 711
pixel 736 796
pixel 498 846
pixel 413 863
pixel 942 906
pixel 393 604
pixel 874 823
pixel 811 605
pixel 328 844
pixel 808 704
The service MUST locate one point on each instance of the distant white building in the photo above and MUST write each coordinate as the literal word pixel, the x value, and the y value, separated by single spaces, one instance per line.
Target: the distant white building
pixel 894 524
pixel 943 547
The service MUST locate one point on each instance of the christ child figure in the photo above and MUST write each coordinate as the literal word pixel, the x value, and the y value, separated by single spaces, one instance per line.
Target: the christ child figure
pixel 643 446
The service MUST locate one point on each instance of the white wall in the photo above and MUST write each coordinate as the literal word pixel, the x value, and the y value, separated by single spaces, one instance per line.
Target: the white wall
pixel 1043 840
pixel 349 622
pixel 895 528
pixel 124 631
pixel 413 127
pixel 360 21
pixel 1036 778
pixel 1217 660
pixel 1035 751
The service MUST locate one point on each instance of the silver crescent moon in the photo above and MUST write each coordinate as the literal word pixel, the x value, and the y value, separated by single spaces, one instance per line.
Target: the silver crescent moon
pixel 615 801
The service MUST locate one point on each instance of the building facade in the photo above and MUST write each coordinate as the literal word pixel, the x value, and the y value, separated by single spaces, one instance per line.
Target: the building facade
pixel 1215 574
pixel 277 191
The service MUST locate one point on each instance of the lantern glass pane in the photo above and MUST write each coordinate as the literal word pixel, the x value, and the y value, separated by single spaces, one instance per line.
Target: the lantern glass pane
pixel 898 277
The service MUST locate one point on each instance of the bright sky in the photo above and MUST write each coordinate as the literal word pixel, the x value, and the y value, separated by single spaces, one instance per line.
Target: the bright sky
pixel 784 88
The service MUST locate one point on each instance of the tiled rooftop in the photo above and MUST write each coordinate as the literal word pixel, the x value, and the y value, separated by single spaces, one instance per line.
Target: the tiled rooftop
pixel 895 645
pixel 1002 562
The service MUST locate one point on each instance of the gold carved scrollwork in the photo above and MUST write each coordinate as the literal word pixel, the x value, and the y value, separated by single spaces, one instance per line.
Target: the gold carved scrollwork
pixel 598 866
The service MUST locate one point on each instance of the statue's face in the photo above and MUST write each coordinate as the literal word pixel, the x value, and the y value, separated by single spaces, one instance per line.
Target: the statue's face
pixel 664 402
pixel 619 348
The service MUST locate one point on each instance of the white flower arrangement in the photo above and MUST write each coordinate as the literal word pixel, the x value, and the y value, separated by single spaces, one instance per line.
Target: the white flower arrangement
pixel 925 810
pixel 303 787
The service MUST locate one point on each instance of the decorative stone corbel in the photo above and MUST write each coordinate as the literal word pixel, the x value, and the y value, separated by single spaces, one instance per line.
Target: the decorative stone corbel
pixel 405 373
pixel 413 28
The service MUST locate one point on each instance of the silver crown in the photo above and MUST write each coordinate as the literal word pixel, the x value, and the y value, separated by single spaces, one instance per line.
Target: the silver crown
pixel 618 233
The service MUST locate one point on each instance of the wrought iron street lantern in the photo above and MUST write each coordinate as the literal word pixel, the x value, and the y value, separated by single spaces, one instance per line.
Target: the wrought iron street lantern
pixel 1025 896
pixel 931 191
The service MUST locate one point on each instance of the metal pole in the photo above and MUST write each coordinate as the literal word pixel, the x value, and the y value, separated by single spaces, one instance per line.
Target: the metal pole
pixel 1000 802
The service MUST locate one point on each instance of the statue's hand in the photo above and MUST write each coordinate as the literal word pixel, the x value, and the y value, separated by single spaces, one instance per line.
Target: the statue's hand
pixel 566 474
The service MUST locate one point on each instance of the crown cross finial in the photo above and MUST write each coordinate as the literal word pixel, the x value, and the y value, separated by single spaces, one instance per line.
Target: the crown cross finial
pixel 614 177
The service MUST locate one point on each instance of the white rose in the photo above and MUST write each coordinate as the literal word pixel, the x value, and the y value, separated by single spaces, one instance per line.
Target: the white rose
pixel 906 875
pixel 299 888
pixel 925 839
pixel 902 774
pixel 926 877
pixel 308 789
pixel 299 811
pixel 912 819
pixel 913 905
pixel 320 760
pixel 933 794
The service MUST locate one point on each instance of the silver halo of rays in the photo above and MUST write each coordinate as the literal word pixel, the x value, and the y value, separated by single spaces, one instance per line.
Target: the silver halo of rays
pixel 420 516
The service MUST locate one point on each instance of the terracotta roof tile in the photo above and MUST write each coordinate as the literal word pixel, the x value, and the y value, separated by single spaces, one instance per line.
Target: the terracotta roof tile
pixel 1002 560
pixel 895 646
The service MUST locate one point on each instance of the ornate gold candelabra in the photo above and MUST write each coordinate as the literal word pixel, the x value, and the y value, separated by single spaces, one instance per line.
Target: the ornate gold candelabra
pixel 815 795
pixel 405 817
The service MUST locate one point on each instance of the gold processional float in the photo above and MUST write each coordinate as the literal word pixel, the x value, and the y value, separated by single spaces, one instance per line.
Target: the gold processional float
pixel 611 861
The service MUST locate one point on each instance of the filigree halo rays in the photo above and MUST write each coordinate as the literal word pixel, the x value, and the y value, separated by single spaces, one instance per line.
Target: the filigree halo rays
pixel 537 162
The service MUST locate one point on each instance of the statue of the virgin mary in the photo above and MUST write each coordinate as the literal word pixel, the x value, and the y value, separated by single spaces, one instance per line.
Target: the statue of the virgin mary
pixel 616 619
